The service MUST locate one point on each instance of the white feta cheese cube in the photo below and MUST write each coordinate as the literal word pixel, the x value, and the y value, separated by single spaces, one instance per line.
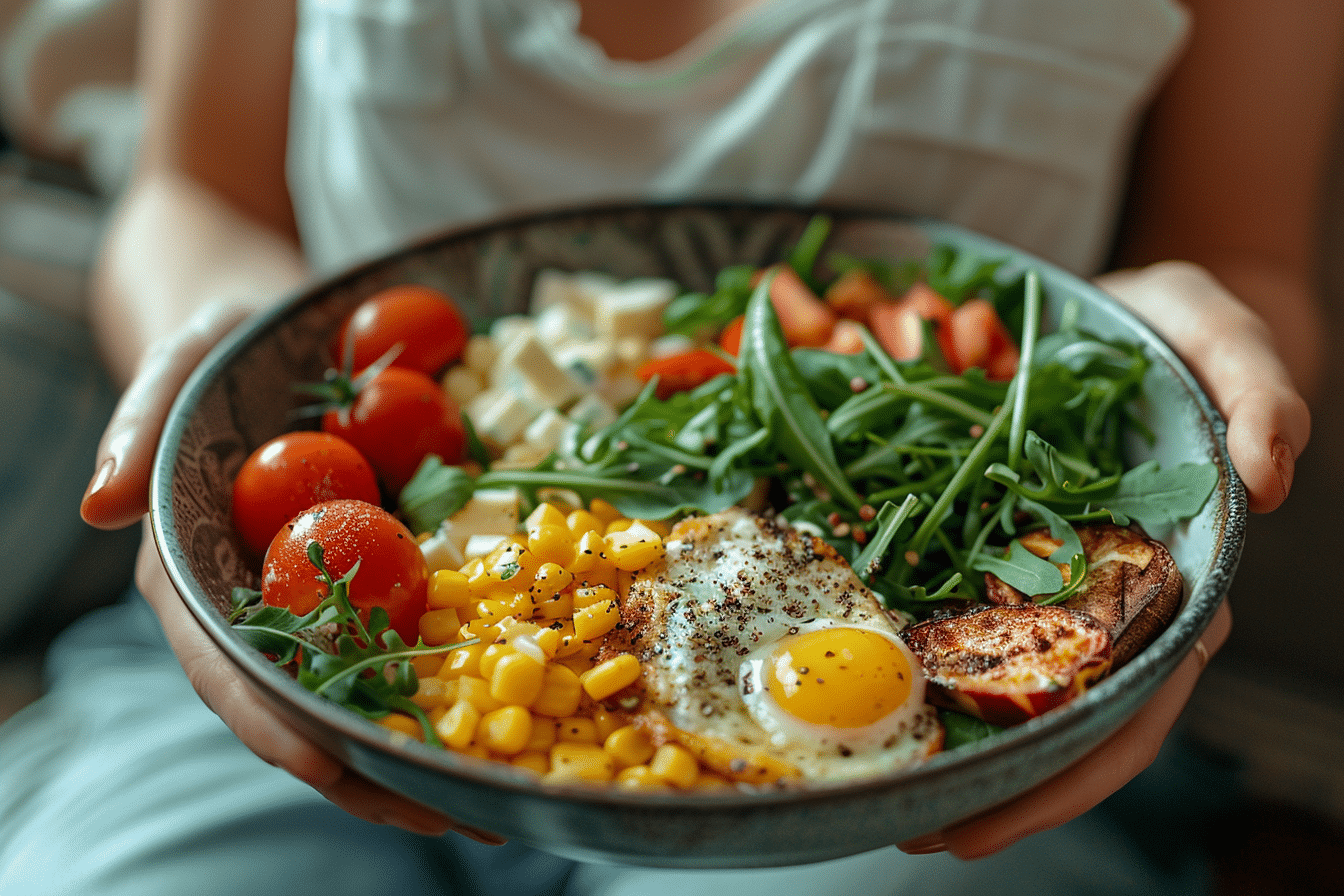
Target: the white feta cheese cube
pixel 592 411
pixel 527 361
pixel 587 359
pixel 500 415
pixel 634 308
pixel 481 545
pixel 463 384
pixel 443 550
pixel 491 511
pixel 510 327
pixel 563 325
pixel 545 431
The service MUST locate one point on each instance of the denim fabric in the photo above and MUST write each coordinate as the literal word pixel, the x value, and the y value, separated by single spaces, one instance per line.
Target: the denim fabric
pixel 54 401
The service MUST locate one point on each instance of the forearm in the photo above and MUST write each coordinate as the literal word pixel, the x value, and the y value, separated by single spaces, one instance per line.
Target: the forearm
pixel 173 247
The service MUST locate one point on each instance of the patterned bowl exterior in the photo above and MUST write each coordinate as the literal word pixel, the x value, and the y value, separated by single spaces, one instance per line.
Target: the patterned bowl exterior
pixel 240 396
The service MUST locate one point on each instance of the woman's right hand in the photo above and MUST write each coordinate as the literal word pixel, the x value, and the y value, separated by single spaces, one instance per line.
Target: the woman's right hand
pixel 118 496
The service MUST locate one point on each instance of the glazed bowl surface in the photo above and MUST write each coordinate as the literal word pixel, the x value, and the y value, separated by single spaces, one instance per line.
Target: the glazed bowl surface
pixel 240 396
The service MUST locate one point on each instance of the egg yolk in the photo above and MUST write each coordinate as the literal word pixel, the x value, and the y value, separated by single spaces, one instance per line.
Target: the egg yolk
pixel 841 677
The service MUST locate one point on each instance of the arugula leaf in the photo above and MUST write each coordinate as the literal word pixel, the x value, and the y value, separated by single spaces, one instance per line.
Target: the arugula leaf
pixel 1021 569
pixel 1156 497
pixel 435 492
pixel 782 400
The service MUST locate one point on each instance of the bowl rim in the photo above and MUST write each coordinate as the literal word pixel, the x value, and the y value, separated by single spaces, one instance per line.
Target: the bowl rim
pixel 1165 651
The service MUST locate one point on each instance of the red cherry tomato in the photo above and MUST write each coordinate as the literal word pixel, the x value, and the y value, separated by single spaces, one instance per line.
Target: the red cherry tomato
pixel 392 573
pixel 291 473
pixel 680 372
pixel 398 418
pixel 426 324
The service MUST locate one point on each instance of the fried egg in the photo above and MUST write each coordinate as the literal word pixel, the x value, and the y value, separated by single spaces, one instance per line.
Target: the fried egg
pixel 763 652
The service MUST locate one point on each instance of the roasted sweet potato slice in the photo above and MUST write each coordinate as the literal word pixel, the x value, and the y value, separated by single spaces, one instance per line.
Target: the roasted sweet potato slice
pixel 1132 586
pixel 1009 664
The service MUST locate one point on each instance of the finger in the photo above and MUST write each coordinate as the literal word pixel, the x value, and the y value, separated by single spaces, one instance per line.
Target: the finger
pixel 1230 350
pixel 118 493
pixel 223 689
pixel 1096 776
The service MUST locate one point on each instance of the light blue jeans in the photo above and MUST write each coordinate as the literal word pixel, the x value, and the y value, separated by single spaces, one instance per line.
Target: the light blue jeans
pixel 120 782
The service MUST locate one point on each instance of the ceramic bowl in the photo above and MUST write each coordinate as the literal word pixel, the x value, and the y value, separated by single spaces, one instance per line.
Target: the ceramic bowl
pixel 240 397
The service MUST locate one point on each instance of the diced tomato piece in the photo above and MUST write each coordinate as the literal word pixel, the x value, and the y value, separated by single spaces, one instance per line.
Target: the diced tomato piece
pixel 898 328
pixel 981 340
pixel 730 340
pixel 680 372
pixel 845 338
pixel 856 292
pixel 805 318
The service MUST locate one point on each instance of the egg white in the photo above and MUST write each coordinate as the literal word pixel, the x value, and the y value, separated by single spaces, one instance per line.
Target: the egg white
pixel 729 588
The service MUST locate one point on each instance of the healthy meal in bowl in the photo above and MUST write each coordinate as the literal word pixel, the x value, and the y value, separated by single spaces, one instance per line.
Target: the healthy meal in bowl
pixel 826 520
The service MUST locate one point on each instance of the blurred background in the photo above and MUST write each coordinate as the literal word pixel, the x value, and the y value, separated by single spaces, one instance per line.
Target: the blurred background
pixel 1270 703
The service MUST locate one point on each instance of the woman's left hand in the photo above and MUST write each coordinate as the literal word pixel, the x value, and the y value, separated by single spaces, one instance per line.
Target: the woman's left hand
pixel 1231 352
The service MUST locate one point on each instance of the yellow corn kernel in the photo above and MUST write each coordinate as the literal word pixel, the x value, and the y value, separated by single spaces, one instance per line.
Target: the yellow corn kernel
pixel 605 512
pixel 515 566
pixel 505 730
pixel 550 580
pixel 591 594
pixel 609 676
pixel 545 514
pixel 569 642
pixel 618 525
pixel 552 543
pixel 708 780
pixel 448 590
pixel 457 727
pixel 604 574
pixel 486 667
pixel 427 664
pixel 593 622
pixel 582 659
pixel 560 693
pixel 675 765
pixel 431 692
pixel 580 762
pixel 608 721
pixel 640 777
pixel 490 610
pixel 634 548
pixel 543 736
pixel 576 730
pixel 662 528
pixel 477 750
pixel 523 606
pixel 590 551
pixel 533 761
pixel 463 661
pixel 485 630
pixel 402 724
pixel 476 691
pixel 517 678
pixel 629 746
pixel 581 522
pixel 439 626
pixel 548 639
pixel 558 606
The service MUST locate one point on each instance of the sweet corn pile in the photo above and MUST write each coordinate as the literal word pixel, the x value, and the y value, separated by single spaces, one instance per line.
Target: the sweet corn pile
pixel 529 692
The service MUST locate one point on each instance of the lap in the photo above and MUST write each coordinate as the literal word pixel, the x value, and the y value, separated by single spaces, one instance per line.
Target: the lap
pixel 120 781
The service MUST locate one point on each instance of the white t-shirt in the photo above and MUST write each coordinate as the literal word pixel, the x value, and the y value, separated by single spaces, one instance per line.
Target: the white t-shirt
pixel 1013 117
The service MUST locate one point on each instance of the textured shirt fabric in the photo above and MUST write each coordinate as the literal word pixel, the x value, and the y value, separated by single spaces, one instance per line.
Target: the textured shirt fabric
pixel 1012 117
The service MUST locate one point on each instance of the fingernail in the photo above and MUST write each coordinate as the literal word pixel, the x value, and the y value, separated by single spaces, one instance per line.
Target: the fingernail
pixel 923 846
pixel 101 477
pixel 1284 463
